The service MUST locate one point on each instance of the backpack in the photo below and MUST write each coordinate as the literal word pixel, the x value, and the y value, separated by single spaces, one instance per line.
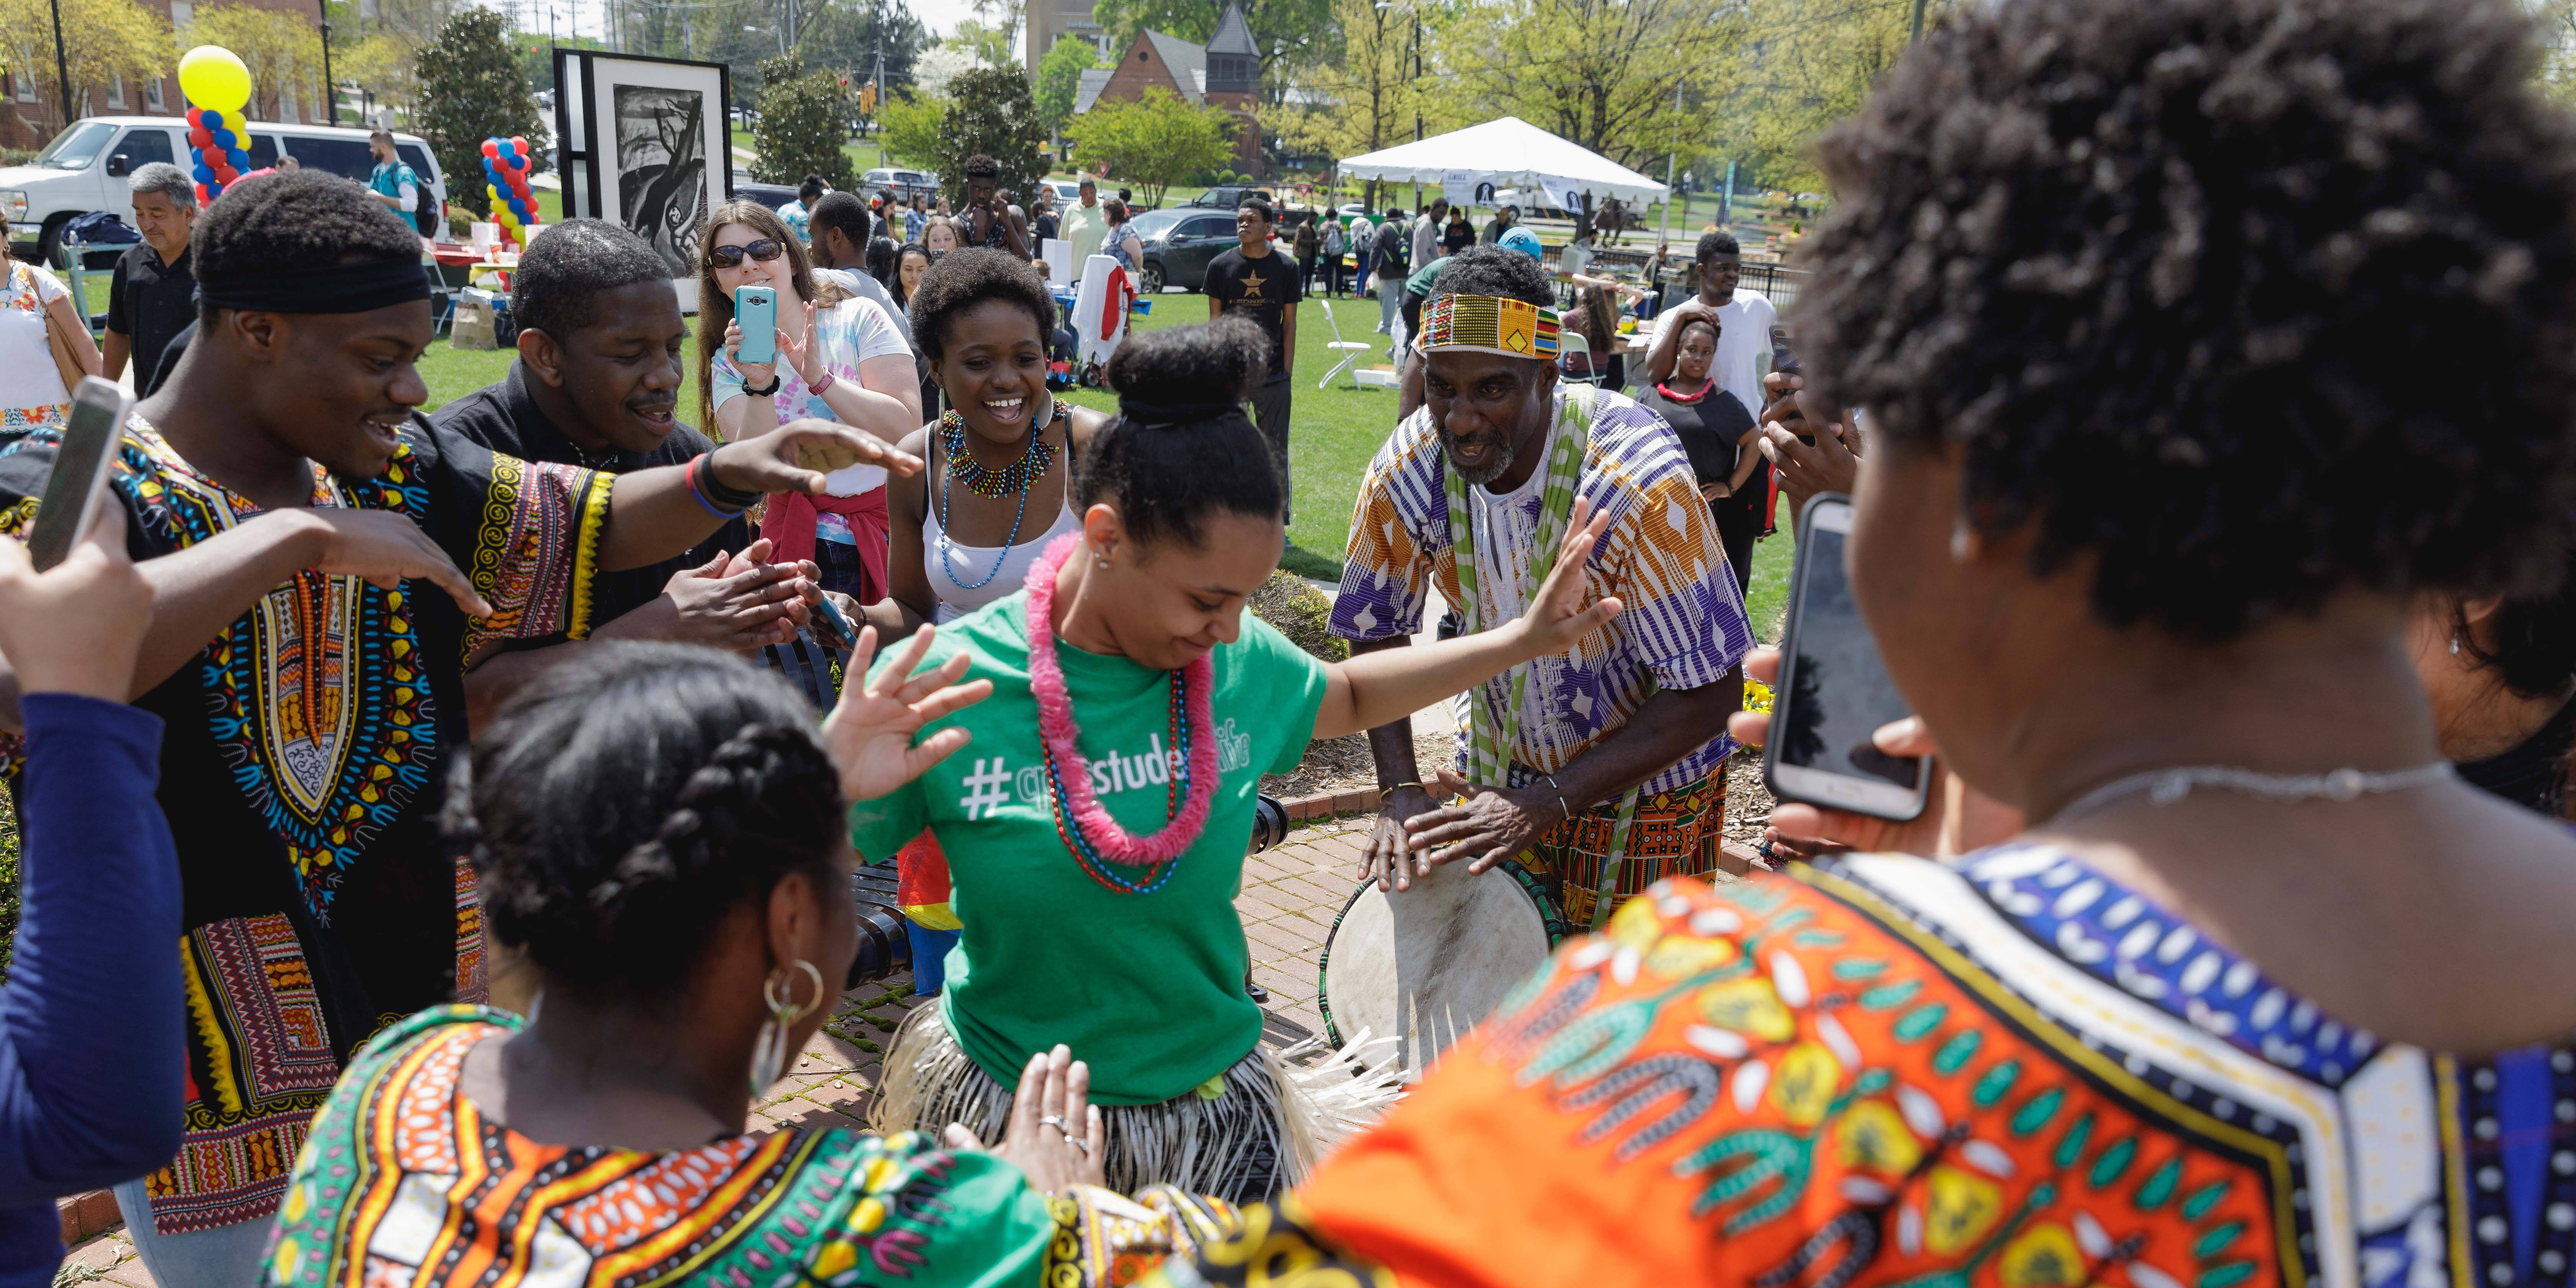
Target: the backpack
pixel 1394 249
pixel 1332 239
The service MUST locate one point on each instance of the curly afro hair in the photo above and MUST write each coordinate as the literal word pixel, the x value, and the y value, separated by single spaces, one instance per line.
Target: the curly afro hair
pixel 563 274
pixel 294 220
pixel 966 277
pixel 2174 278
pixel 1181 448
pixel 1492 270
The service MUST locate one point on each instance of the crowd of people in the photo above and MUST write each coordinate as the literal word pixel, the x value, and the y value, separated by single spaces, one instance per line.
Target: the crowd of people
pixel 504 877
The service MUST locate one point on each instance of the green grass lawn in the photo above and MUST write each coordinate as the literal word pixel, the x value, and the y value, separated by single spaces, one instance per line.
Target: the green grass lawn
pixel 1333 433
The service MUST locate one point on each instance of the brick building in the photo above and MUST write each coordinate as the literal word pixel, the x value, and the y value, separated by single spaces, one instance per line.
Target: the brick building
pixel 31 102
pixel 1225 72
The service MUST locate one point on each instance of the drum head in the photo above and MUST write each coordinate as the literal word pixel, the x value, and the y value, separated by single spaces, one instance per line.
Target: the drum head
pixel 1425 965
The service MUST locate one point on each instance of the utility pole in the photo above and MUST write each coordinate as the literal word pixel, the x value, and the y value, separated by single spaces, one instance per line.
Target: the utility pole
pixel 1417 76
pixel 1917 37
pixel 62 64
pixel 1663 225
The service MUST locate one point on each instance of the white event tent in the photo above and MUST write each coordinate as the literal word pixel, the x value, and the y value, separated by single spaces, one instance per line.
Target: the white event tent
pixel 1507 152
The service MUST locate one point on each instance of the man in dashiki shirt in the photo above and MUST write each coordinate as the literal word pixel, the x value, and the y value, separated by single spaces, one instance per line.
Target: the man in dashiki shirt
pixel 1642 707
pixel 326 564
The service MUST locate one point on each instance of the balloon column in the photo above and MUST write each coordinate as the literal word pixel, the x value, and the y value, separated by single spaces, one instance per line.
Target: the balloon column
pixel 505 169
pixel 217 82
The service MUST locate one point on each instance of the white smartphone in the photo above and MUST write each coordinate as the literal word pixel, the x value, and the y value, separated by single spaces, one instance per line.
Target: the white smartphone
pixel 76 490
pixel 1834 690
pixel 755 308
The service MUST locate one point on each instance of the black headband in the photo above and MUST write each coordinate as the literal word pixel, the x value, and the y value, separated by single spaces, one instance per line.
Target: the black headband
pixel 336 288
pixel 1151 414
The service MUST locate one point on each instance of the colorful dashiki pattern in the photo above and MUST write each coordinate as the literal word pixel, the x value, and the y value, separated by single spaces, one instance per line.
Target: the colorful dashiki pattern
pixel 406 1182
pixel 1683 625
pixel 300 771
pixel 1881 1070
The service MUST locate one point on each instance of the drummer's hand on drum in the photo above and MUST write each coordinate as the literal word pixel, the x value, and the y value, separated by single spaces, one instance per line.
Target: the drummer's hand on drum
pixel 1389 860
pixel 1492 824
pixel 1055 1135
pixel 1957 819
pixel 869 733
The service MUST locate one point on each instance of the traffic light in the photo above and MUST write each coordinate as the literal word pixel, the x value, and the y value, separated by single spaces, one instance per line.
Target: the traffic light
pixel 867 100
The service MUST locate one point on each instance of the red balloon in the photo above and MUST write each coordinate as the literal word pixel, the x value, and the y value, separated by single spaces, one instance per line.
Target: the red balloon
pixel 519 143
pixel 200 138
pixel 203 195
pixel 491 147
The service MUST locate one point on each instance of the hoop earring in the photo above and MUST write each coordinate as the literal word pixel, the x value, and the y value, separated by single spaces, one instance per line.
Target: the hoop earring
pixel 769 1050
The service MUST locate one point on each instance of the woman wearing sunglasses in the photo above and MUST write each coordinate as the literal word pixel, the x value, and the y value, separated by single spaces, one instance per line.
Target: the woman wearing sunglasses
pixel 840 358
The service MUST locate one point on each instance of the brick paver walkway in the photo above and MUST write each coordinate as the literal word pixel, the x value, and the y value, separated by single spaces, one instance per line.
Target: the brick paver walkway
pixel 1291 894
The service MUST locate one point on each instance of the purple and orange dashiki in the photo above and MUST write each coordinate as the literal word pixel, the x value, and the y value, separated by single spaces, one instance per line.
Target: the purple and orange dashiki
pixel 1683 624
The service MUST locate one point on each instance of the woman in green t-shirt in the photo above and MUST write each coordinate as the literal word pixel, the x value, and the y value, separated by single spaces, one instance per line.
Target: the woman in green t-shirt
pixel 1096 826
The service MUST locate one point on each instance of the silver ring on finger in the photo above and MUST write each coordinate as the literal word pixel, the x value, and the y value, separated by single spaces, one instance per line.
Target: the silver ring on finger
pixel 1056 1121
pixel 1078 1143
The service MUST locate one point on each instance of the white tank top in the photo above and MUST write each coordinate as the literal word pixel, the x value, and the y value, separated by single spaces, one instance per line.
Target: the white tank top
pixel 953 568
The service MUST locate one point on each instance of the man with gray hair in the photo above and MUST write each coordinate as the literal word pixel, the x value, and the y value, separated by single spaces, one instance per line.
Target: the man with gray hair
pixel 153 294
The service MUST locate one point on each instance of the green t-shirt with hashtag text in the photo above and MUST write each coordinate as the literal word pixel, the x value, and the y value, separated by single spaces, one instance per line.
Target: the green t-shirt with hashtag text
pixel 1147 987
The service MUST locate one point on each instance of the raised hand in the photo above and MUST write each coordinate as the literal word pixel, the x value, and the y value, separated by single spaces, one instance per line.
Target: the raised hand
pixel 799 456
pixel 1556 620
pixel 869 733
pixel 795 349
pixel 757 373
pixel 383 548
pixel 1055 1134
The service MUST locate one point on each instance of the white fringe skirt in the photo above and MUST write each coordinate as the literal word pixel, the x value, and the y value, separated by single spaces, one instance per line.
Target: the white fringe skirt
pixel 1260 1135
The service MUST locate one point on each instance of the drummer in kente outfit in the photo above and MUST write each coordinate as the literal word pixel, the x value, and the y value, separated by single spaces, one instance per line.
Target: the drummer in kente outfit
pixel 326 562
pixel 1624 735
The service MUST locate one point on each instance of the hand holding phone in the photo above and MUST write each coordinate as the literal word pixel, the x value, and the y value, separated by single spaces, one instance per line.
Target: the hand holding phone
pixel 755 310
pixel 1834 693
pixel 76 490
pixel 79 628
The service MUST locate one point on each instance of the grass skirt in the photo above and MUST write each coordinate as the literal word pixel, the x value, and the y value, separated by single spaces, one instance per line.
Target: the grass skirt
pixel 1261 1136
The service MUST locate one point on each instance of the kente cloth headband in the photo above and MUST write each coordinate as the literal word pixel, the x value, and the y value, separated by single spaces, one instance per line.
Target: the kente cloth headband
pixel 1489 324
pixel 337 288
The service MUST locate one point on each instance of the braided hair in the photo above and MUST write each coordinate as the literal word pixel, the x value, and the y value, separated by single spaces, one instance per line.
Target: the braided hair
pixel 1181 447
pixel 625 803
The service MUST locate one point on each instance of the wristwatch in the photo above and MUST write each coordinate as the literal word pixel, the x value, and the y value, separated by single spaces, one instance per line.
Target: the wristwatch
pixel 775 380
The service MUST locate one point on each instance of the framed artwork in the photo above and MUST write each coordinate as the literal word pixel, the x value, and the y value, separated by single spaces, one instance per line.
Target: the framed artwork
pixel 645 146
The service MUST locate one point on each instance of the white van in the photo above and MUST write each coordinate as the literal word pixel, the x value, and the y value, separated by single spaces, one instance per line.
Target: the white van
pixel 84 168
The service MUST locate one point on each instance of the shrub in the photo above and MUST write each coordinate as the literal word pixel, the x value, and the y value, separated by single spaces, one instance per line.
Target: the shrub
pixel 1300 612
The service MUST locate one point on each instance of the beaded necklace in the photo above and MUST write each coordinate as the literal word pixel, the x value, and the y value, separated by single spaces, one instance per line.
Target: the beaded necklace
pixel 985 481
pixel 1096 839
pixel 952 438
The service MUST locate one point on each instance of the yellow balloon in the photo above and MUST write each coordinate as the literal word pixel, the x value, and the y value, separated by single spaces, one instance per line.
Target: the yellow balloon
pixel 211 76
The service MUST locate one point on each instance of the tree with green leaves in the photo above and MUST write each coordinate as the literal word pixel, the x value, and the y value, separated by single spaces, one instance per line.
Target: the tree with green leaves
pixel 803 119
pixel 1813 64
pixel 1153 142
pixel 1060 81
pixel 991 113
pixel 471 89
pixel 1601 75
pixel 910 128
pixel 103 41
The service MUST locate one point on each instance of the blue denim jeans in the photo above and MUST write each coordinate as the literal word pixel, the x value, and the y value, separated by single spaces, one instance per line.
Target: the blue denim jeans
pixel 226 1258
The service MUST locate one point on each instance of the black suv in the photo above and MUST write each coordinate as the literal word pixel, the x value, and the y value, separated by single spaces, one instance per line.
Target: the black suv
pixel 1223 198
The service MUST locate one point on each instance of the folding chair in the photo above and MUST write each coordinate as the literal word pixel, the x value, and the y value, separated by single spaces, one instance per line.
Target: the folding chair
pixel 1350 350
pixel 1570 343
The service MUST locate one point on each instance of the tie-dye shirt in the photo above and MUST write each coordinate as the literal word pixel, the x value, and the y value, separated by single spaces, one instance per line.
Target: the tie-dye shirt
pixel 1683 626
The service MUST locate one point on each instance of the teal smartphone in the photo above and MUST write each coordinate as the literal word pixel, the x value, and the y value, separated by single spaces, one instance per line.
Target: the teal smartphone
pixel 755 308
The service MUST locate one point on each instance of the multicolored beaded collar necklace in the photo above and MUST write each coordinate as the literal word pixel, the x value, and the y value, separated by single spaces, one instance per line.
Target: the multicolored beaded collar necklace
pixel 1096 839
pixel 1014 478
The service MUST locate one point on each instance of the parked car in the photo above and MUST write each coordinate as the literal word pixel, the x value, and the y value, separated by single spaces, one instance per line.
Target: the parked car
pixel 906 183
pixel 84 168
pixel 1222 198
pixel 1177 252
pixel 773 195
pixel 1066 193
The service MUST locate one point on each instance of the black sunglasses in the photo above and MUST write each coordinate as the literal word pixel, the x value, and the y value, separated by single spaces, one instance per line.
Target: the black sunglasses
pixel 763 250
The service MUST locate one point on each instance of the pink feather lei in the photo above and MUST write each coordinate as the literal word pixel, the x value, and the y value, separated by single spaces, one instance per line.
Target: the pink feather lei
pixel 1063 735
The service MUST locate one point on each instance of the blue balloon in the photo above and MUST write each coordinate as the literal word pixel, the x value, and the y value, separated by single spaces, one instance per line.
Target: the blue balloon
pixel 239 158
pixel 210 118
pixel 223 138
pixel 205 173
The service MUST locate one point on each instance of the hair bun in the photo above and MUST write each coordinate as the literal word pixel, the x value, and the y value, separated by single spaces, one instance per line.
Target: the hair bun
pixel 1175 414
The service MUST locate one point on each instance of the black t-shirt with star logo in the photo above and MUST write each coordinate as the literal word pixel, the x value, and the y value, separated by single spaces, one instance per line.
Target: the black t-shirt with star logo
pixel 1262 289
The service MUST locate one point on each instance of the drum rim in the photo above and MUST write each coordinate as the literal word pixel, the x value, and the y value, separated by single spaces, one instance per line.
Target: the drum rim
pixel 1551 919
